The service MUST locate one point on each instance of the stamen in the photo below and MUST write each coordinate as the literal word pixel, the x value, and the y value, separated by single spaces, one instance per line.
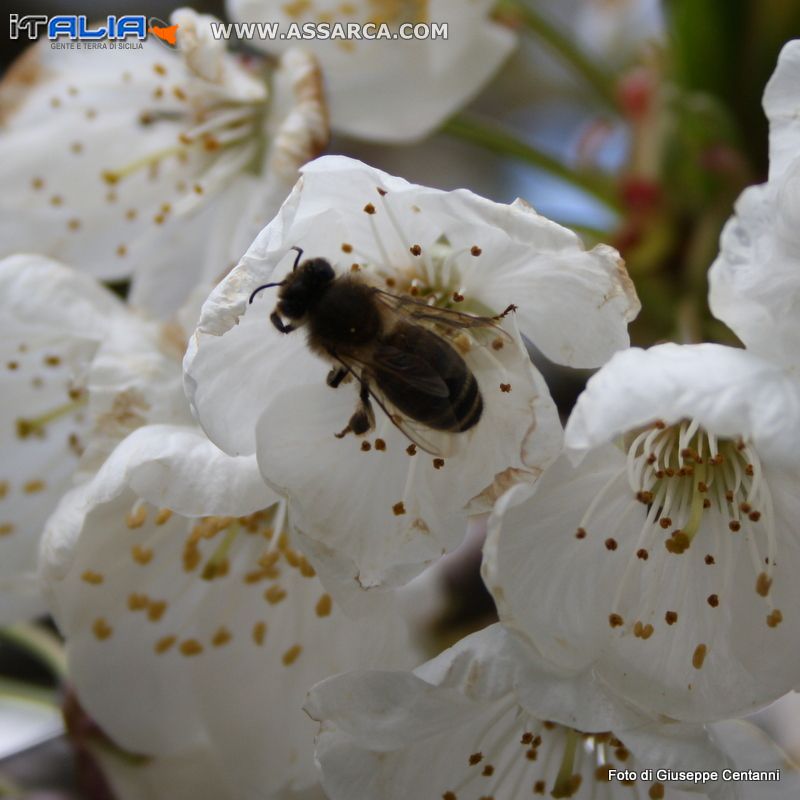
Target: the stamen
pixel 216 566
pixel 684 476
pixel 36 426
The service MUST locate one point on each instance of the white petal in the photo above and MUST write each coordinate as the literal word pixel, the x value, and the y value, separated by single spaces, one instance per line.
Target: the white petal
pixel 191 776
pixel 112 166
pixel 753 283
pixel 178 468
pixel 52 321
pixel 380 512
pixel 394 91
pixel 89 541
pixel 579 699
pixel 269 747
pixel 379 728
pixel 29 284
pixel 168 651
pixel 539 573
pixel 782 106
pixel 524 259
pixel 749 748
pixel 453 728
pixel 729 392
pixel 704 657
pixel 573 304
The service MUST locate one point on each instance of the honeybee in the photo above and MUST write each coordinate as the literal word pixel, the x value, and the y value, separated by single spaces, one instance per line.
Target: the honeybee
pixel 389 344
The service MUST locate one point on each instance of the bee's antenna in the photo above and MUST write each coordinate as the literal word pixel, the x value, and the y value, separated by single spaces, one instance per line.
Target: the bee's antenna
pixel 265 286
pixel 299 256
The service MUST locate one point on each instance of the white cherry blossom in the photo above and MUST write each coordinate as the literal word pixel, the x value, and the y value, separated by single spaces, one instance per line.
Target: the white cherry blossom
pixel 79 372
pixel 664 559
pixel 152 164
pixel 181 597
pixel 375 509
pixel 468 725
pixel 392 90
pixel 191 621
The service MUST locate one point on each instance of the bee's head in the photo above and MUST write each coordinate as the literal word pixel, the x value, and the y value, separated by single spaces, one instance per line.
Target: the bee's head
pixel 303 288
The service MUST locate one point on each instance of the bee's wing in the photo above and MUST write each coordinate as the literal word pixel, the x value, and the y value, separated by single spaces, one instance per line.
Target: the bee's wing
pixel 413 371
pixel 419 310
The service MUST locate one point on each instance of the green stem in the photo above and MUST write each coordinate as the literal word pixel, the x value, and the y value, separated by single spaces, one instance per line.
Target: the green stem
pixel 561 43
pixel 498 140
pixel 30 692
pixel 39 643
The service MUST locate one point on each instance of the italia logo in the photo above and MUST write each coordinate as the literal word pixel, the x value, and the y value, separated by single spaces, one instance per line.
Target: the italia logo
pixel 75 27
pixel 166 34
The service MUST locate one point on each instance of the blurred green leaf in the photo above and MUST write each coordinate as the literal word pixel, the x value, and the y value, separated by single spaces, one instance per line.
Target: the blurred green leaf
pixel 729 50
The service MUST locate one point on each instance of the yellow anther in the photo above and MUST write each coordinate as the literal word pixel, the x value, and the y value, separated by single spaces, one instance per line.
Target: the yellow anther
pixel 162 516
pixel 101 629
pixel 190 647
pixel 274 594
pixel 136 517
pixel 324 605
pixel 292 654
pixel 164 644
pixel 221 637
pixel 141 555
pixel 259 633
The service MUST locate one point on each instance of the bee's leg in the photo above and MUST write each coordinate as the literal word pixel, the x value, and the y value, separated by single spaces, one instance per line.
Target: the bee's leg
pixel 363 418
pixel 508 310
pixel 336 376
pixel 276 320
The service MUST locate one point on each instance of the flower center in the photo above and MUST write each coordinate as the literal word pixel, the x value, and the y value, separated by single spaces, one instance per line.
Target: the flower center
pixel 682 472
pixel 433 273
pixel 215 128
pixel 214 131
pixel 694 487
pixel 520 755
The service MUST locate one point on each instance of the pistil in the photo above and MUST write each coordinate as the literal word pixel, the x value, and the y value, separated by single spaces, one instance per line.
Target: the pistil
pixel 36 426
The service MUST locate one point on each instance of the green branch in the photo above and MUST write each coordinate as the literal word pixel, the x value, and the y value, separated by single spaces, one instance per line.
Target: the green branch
pixel 498 140
pixel 601 81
